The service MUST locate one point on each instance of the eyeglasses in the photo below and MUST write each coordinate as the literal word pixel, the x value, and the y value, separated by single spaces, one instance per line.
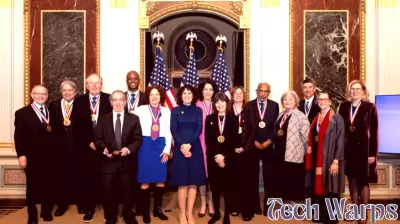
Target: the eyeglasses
pixel 94 83
pixel 323 100
pixel 40 94
pixel 356 89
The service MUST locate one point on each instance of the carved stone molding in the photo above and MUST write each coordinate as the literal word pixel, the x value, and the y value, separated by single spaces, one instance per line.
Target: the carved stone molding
pixel 237 7
pixel 151 7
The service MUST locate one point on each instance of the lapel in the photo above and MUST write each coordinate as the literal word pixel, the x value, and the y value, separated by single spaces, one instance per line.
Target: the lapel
pixel 35 119
pixel 87 104
pixel 111 129
pixel 125 127
pixel 103 104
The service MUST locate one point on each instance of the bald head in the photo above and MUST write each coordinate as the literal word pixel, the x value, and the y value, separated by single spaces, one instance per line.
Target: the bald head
pixel 94 83
pixel 263 91
pixel 132 81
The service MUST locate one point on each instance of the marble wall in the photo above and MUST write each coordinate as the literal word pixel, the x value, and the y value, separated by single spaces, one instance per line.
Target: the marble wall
pixel 63 49
pixel 331 54
pixel 326 50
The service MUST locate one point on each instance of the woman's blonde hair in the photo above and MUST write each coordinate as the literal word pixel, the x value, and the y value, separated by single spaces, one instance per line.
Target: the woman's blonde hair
pixel 234 90
pixel 363 86
pixel 293 94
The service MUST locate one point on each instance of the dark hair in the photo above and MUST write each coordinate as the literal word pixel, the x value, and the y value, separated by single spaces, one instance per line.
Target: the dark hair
pixel 203 84
pixel 160 91
pixel 324 92
pixel 180 93
pixel 308 80
pixel 222 97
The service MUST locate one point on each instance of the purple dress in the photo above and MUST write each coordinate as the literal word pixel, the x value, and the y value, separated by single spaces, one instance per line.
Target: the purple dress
pixel 202 138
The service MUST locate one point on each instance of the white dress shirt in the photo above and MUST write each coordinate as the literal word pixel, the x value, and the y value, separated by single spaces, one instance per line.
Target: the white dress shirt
pixel 97 101
pixel 115 119
pixel 45 110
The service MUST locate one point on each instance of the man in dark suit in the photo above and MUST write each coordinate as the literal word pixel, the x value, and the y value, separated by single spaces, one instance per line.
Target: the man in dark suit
pixel 308 105
pixel 135 97
pixel 118 137
pixel 89 108
pixel 63 116
pixel 34 144
pixel 262 113
pixel 311 109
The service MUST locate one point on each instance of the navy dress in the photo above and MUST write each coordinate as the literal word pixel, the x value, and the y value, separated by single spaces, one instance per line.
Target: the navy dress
pixel 186 127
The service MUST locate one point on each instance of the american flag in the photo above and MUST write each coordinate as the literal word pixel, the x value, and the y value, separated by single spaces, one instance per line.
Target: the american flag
pixel 159 77
pixel 220 73
pixel 190 76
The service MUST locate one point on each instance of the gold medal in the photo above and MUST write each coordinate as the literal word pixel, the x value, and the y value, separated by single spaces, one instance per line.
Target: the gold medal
pixel 67 122
pixel 261 124
pixel 155 127
pixel 221 139
pixel 48 128
pixel 94 117
pixel 352 128
pixel 281 132
pixel 240 130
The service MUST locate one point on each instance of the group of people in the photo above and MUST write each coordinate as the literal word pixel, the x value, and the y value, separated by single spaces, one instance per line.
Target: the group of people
pixel 109 149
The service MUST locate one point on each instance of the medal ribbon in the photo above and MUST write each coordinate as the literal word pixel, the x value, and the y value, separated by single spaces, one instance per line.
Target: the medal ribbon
pixel 221 126
pixel 155 119
pixel 94 110
pixel 283 120
pixel 132 106
pixel 321 118
pixel 208 110
pixel 353 116
pixel 237 114
pixel 67 114
pixel 47 121
pixel 259 109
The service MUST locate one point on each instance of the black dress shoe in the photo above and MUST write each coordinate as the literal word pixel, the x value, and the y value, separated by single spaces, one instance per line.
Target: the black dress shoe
pixel 131 221
pixel 88 217
pixel 265 211
pixel 157 212
pixel 201 215
pixel 47 217
pixel 60 211
pixel 146 218
pixel 247 218
pixel 215 218
pixel 235 213
pixel 111 221
pixel 32 221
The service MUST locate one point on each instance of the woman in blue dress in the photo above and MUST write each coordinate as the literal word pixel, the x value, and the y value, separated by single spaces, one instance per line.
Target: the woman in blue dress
pixel 188 168
pixel 153 154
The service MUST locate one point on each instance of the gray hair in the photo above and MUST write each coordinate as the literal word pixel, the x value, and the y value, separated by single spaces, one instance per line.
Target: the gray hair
pixel 293 94
pixel 68 82
pixel 117 91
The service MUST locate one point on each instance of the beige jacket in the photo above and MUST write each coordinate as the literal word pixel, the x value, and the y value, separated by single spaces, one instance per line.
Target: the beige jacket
pixel 297 136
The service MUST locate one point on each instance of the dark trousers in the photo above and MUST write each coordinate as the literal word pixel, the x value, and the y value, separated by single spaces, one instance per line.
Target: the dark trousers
pixel 38 191
pixel 249 183
pixel 68 188
pixel 236 188
pixel 91 192
pixel 112 182
pixel 323 210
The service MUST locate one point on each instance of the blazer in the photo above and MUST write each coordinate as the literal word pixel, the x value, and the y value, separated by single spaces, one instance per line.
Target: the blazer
pixel 252 116
pixel 165 124
pixel 232 137
pixel 314 110
pixel 31 137
pixel 57 117
pixel 84 129
pixel 142 100
pixel 297 136
pixel 131 139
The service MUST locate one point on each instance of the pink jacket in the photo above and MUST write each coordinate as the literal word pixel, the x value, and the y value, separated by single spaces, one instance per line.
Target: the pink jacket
pixel 203 144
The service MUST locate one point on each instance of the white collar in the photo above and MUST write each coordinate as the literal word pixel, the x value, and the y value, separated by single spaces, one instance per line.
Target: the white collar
pixel 310 100
pixel 65 101
pixel 115 114
pixel 39 106
pixel 136 92
pixel 91 96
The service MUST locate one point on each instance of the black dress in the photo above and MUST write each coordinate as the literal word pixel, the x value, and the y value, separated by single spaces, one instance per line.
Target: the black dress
pixel 290 176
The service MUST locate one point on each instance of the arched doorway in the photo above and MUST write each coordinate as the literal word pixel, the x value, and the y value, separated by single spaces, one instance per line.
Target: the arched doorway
pixel 207 20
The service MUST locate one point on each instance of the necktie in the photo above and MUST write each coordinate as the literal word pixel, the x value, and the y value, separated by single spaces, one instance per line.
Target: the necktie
pixel 307 106
pixel 133 97
pixel 68 106
pixel 94 100
pixel 117 131
pixel 42 111
pixel 262 107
